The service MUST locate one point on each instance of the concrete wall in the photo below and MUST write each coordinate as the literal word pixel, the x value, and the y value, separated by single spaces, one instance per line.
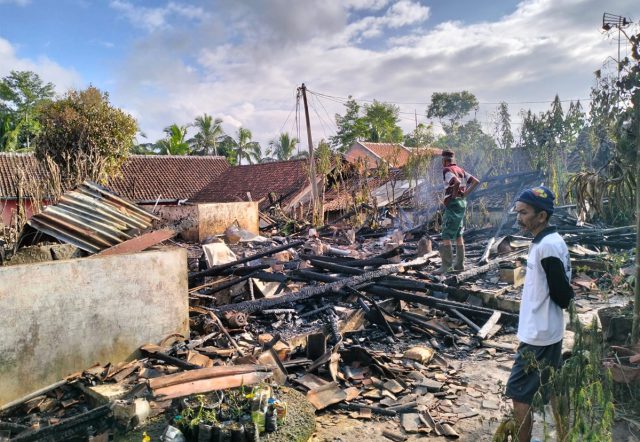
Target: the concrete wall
pixel 63 316
pixel 214 218
pixel 180 218
pixel 198 221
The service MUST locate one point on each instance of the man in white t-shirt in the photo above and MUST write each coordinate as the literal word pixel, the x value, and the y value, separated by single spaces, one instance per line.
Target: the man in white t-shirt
pixel 547 291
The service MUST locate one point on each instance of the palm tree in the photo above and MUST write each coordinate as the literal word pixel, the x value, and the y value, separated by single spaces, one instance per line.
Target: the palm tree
pixel 174 143
pixel 283 147
pixel 209 133
pixel 243 147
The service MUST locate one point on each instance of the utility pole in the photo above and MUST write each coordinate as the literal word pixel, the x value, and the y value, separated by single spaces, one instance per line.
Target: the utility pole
pixel 415 111
pixel 312 162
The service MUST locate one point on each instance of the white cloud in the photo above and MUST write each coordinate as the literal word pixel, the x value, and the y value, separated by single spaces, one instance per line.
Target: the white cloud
pixel 48 70
pixel 155 18
pixel 373 5
pixel 405 13
pixel 244 61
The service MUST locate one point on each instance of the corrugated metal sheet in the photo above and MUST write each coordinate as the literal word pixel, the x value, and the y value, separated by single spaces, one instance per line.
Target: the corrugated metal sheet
pixel 92 218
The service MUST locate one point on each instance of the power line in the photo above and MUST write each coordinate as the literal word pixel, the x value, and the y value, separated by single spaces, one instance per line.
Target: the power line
pixel 345 99
pixel 288 116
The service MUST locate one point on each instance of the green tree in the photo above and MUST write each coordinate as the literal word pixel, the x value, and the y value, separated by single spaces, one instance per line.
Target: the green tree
pixel 210 131
pixel 451 106
pixel 351 127
pixel 175 142
pixel 503 134
pixel 381 121
pixel 283 147
pixel 422 136
pixel 9 133
pixel 242 147
pixel 465 139
pixel 85 135
pixel 21 93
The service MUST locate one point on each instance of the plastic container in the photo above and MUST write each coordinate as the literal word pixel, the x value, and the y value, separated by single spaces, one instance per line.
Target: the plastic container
pixel 280 408
pixel 172 434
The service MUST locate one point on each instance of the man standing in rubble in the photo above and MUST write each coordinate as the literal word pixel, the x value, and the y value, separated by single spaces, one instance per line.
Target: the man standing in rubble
pixel 546 292
pixel 458 184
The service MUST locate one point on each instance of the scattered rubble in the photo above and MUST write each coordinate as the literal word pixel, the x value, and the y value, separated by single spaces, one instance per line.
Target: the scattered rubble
pixel 357 322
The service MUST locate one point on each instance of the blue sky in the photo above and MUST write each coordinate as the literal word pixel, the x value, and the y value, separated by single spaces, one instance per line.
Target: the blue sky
pixel 167 61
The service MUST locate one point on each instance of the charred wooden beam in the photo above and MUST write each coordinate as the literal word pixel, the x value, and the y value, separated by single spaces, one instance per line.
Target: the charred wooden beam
pixel 226 285
pixel 464 319
pixel 70 429
pixel 477 271
pixel 155 352
pixel 372 262
pixel 423 323
pixel 245 270
pixel 309 292
pixel 216 270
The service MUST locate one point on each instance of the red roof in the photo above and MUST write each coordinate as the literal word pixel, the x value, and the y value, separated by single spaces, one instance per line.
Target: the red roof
pixel 168 177
pixel 14 165
pixel 284 178
pixel 144 177
pixel 396 154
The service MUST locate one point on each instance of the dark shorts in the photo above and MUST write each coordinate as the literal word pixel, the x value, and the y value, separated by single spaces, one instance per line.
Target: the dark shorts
pixel 531 370
pixel 453 218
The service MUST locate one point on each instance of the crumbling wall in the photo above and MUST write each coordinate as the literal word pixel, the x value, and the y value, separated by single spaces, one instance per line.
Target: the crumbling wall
pixel 214 218
pixel 183 219
pixel 60 317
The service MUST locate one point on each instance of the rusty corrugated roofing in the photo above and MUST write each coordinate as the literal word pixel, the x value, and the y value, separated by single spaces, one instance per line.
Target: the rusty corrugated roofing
pixel 92 218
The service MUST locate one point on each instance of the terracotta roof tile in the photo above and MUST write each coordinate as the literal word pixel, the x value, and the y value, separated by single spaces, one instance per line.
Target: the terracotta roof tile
pixel 395 153
pixel 284 178
pixel 143 178
pixel 12 165
pixel 168 177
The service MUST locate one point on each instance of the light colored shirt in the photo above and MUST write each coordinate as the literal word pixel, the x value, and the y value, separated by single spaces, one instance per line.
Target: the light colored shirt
pixel 541 320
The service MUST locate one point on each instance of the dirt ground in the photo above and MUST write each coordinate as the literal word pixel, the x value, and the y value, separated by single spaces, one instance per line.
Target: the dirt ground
pixel 486 373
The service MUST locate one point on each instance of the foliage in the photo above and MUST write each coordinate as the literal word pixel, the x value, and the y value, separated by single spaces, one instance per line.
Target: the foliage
pixel 466 139
pixel 422 136
pixel 549 138
pixel 175 142
pixel 451 106
pixel 612 141
pixel 351 127
pixel 21 93
pixel 83 132
pixel 283 147
pixel 205 142
pixel 502 130
pixel 241 147
pixel 417 166
pixel 381 121
pixel 584 406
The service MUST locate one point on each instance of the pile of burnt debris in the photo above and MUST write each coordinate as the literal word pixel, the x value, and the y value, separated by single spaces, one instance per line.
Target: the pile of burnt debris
pixel 356 320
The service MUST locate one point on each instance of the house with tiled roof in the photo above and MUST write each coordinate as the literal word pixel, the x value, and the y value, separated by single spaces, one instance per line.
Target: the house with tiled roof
pixel 166 178
pixel 144 179
pixel 395 154
pixel 276 182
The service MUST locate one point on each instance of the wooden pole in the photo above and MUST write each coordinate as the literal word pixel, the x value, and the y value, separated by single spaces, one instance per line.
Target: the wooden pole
pixel 312 162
